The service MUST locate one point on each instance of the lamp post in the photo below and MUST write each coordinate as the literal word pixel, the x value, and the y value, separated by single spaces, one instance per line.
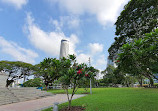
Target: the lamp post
pixel 90 78
pixel 90 87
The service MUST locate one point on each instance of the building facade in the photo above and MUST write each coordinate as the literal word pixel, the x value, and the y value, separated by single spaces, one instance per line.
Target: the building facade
pixel 64 48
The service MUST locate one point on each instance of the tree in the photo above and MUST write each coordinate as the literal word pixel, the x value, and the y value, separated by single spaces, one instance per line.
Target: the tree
pixel 137 18
pixel 129 80
pixel 49 69
pixel 73 75
pixel 113 75
pixel 85 83
pixel 139 57
pixel 37 82
pixel 16 69
pixel 109 74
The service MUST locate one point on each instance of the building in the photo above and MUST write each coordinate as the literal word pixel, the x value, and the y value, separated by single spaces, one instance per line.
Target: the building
pixel 111 62
pixel 64 48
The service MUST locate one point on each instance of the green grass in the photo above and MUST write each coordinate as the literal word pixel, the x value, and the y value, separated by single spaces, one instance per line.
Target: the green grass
pixel 116 99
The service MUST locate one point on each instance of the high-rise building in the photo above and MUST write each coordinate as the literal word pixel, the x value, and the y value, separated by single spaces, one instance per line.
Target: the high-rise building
pixel 64 48
pixel 109 62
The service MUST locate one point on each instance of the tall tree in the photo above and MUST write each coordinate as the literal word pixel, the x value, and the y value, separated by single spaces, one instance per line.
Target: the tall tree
pixel 49 69
pixel 137 18
pixel 113 75
pixel 139 57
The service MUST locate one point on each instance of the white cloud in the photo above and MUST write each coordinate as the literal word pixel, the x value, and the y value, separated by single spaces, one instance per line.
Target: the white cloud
pixel 58 25
pixel 101 61
pixel 105 10
pixel 99 75
pixel 16 3
pixel 98 62
pixel 95 48
pixel 83 58
pixel 70 22
pixel 49 42
pixel 17 52
pixel 96 55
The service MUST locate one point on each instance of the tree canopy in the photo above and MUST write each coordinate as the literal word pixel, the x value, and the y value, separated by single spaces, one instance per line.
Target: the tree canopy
pixel 137 18
pixel 36 82
pixel 140 57
pixel 49 70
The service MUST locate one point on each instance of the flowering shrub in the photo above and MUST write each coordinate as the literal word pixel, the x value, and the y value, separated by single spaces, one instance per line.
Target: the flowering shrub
pixel 118 61
pixel 86 75
pixel 74 75
pixel 80 71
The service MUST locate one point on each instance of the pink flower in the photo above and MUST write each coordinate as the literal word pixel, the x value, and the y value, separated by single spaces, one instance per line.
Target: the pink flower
pixel 86 75
pixel 118 61
pixel 79 72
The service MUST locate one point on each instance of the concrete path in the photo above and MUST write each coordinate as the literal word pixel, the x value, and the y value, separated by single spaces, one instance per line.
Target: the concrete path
pixel 38 104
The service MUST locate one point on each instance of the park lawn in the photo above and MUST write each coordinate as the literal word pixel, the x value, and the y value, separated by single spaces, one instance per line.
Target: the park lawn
pixel 116 99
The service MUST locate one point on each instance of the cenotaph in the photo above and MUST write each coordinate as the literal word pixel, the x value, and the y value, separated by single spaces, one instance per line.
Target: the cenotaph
pixel 64 48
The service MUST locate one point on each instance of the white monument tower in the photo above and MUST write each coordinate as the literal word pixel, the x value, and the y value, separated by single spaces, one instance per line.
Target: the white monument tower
pixel 64 48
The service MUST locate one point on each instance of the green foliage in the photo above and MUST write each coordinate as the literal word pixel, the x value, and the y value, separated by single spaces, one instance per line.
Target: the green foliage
pixel 74 74
pixel 49 69
pixel 140 57
pixel 103 82
pixel 37 82
pixel 66 71
pixel 113 76
pixel 137 18
pixel 156 84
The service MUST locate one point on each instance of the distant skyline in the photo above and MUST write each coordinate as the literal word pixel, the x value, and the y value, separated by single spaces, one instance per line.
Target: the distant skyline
pixel 32 30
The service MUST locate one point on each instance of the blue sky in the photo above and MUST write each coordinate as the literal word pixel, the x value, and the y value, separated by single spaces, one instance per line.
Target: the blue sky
pixel 31 30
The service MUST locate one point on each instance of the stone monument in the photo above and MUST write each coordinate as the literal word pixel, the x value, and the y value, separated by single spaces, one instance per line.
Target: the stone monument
pixel 3 79
pixel 64 48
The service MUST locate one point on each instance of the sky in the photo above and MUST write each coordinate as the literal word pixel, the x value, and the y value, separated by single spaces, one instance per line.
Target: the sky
pixel 31 30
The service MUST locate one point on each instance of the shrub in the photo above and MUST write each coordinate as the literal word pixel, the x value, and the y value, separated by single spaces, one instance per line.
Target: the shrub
pixel 37 82
pixel 156 84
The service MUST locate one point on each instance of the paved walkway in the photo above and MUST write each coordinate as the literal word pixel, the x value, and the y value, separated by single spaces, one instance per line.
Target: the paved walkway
pixel 38 104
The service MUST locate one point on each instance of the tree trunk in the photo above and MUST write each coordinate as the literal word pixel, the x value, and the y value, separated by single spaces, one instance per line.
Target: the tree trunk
pixel 46 87
pixel 46 84
pixel 141 82
pixel 151 82
pixel 69 100
pixel 69 105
